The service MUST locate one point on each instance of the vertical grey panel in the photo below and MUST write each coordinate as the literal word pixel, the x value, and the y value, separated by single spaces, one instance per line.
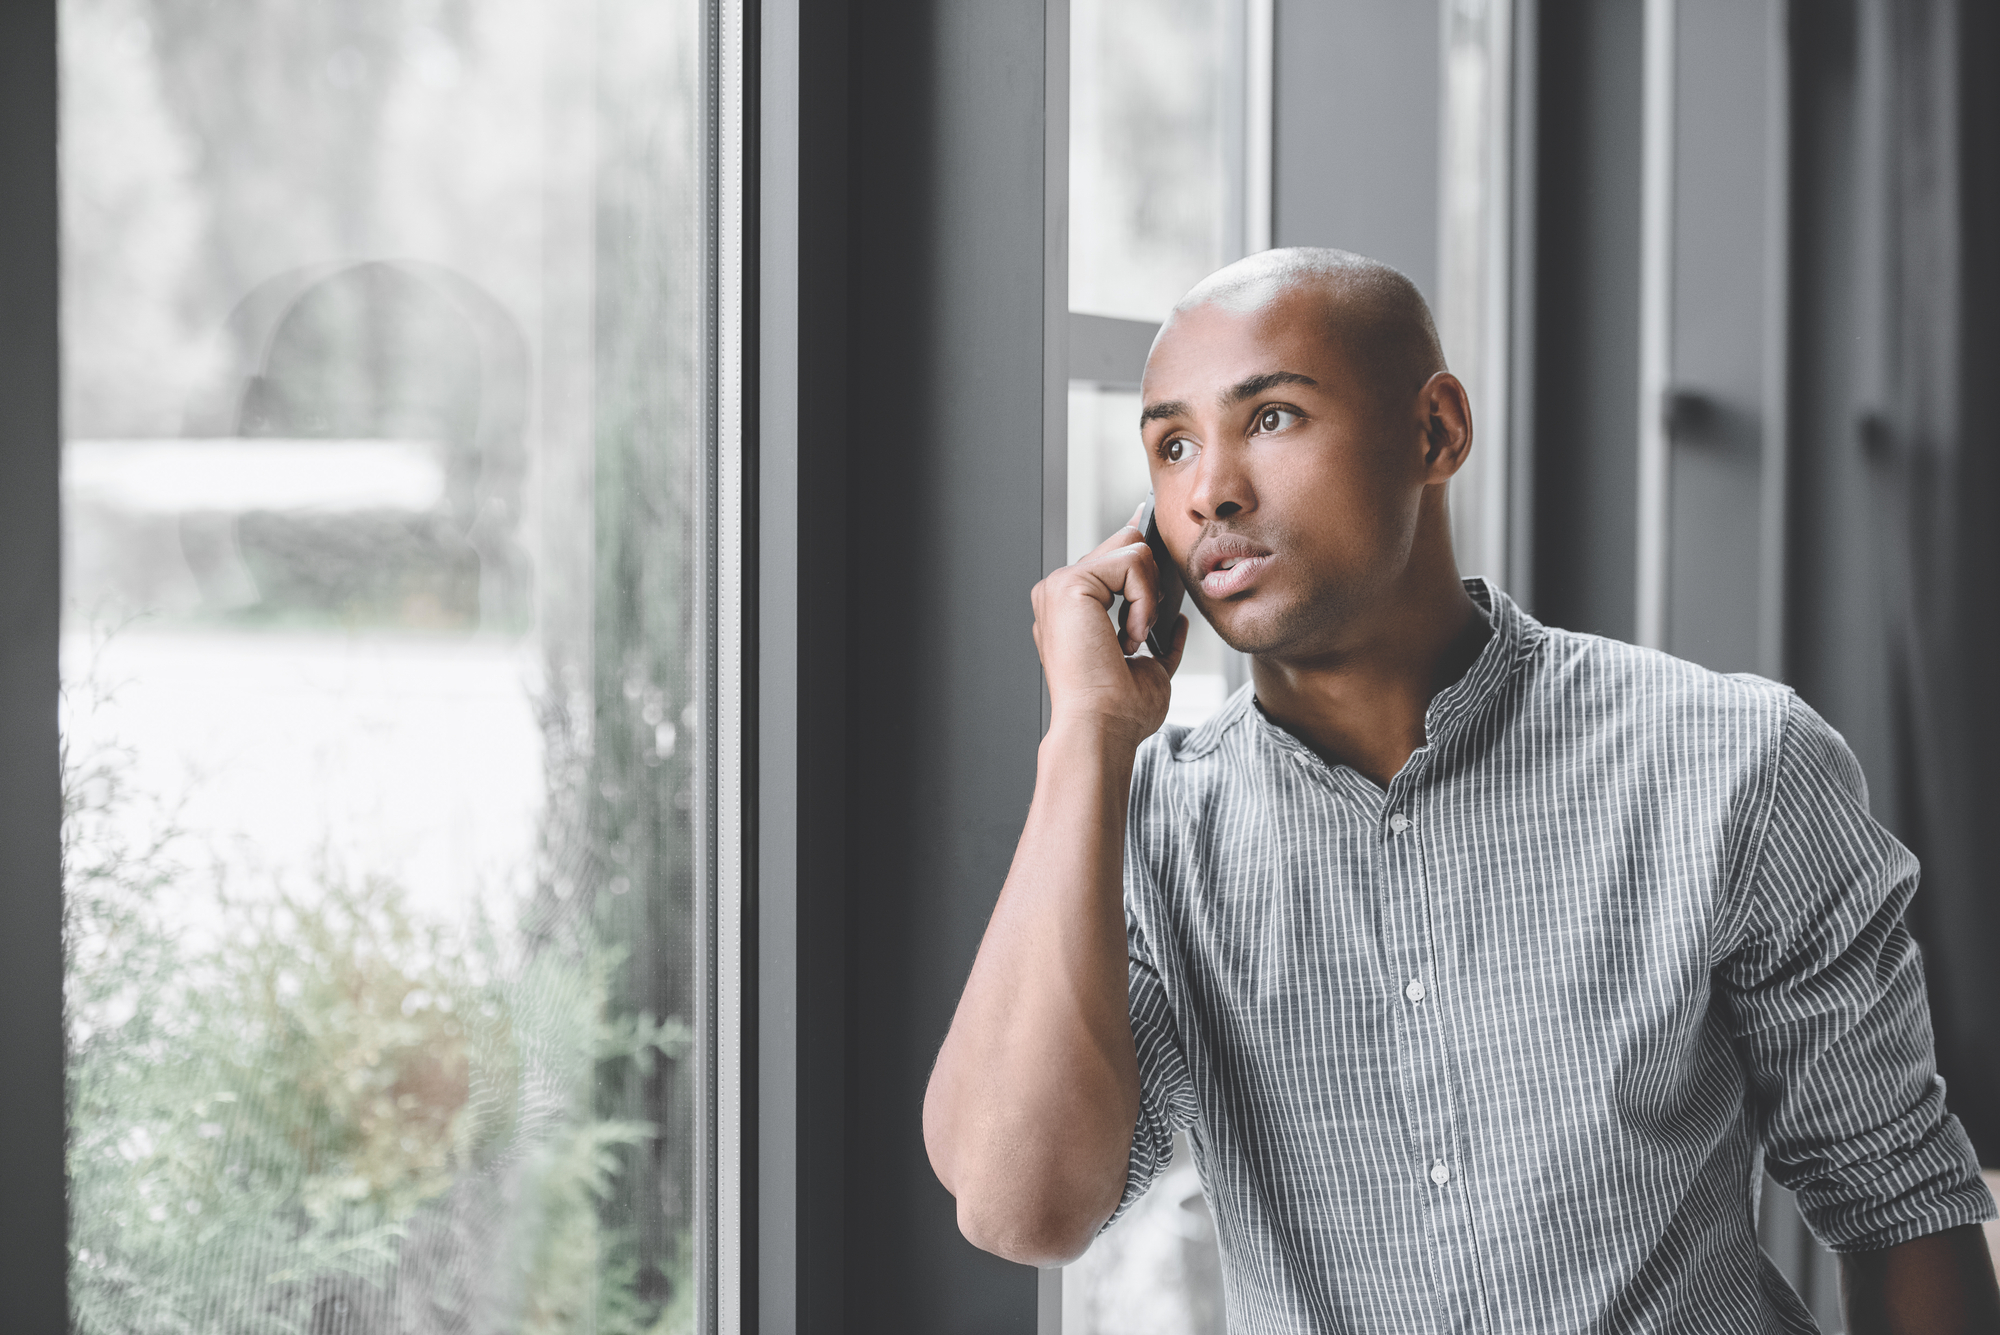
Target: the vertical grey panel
pixel 944 501
pixel 1722 103
pixel 33 1242
pixel 801 456
pixel 1949 55
pixel 1586 304
pixel 1842 546
pixel 1523 293
pixel 1355 130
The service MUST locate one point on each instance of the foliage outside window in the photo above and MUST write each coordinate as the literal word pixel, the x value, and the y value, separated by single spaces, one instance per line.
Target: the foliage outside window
pixel 382 374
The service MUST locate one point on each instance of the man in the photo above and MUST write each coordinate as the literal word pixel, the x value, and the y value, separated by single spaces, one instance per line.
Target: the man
pixel 1480 961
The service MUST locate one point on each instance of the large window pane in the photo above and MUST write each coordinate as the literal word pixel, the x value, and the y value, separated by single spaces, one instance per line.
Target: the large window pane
pixel 384 384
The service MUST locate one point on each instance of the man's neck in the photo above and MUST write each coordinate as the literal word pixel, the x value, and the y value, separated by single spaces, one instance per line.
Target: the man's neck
pixel 1364 706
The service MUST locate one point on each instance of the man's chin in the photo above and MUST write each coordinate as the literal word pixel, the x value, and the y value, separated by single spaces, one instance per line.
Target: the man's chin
pixel 1266 624
pixel 1249 628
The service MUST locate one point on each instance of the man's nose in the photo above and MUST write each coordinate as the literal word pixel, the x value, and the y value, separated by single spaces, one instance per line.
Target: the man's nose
pixel 1222 488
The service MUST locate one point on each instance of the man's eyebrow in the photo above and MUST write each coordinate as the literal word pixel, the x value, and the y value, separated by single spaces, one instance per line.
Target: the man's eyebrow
pixel 1257 384
pixel 1236 393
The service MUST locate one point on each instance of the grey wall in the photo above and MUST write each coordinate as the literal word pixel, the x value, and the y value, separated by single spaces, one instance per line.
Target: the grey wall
pixel 1586 332
pixel 33 1246
pixel 1356 139
pixel 1843 538
pixel 944 498
pixel 900 460
pixel 797 1238
pixel 1721 317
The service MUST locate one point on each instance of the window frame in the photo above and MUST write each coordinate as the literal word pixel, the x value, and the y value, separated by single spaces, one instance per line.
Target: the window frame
pixel 34 1243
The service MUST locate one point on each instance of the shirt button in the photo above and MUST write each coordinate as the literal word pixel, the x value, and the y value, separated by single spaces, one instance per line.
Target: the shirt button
pixel 1415 991
pixel 1399 822
pixel 1439 1173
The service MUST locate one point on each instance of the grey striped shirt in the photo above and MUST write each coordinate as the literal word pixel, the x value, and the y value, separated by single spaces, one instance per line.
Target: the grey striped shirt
pixel 1499 1049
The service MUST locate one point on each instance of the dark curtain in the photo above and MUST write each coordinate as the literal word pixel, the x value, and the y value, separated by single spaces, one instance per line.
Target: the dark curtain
pixel 1942 141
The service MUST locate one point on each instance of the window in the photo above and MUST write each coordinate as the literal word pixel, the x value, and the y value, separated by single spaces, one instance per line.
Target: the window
pixel 398 700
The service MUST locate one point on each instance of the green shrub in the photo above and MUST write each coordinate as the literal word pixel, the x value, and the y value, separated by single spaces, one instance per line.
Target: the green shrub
pixel 317 1112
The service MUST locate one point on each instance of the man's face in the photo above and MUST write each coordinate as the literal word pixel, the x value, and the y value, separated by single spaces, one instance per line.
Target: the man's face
pixel 1286 488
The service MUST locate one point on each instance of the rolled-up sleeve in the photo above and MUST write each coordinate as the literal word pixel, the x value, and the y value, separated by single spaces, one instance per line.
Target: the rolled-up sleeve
pixel 1166 1091
pixel 1826 990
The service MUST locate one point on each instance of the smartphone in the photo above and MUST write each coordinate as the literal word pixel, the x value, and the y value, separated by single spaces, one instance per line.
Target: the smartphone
pixel 1159 640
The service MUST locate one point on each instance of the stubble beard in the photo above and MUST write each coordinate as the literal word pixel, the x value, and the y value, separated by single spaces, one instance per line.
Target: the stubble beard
pixel 1304 625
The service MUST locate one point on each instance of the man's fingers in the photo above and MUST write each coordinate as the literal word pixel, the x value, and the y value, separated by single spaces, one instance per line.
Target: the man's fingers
pixel 1121 572
pixel 1139 585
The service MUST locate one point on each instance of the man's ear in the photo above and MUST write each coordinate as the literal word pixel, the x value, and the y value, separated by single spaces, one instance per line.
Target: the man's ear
pixel 1447 425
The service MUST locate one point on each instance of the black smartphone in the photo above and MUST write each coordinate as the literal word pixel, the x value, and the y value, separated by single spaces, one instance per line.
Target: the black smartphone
pixel 1159 640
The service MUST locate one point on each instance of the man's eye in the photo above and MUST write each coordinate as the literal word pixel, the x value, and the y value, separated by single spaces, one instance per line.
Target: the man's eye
pixel 1178 450
pixel 1275 419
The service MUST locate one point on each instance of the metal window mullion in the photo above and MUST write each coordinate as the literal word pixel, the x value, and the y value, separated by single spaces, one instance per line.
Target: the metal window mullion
pixel 730 466
pixel 1656 240
pixel 1523 167
pixel 1772 616
pixel 1259 54
pixel 719 1143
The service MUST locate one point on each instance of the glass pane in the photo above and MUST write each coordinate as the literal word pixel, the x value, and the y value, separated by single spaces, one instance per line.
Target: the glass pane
pixel 1150 151
pixel 1107 478
pixel 383 383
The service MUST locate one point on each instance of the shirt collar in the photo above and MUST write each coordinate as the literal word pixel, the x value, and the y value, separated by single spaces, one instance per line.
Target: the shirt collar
pixel 1515 634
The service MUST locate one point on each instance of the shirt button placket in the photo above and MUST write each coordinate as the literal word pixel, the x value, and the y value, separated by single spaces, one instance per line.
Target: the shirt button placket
pixel 1402 857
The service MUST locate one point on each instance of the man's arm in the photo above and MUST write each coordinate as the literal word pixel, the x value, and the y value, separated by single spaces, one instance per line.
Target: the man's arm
pixel 1938 1285
pixel 1831 1016
pixel 1032 1103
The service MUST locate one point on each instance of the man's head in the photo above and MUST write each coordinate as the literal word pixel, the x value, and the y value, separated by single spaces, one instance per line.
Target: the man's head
pixel 1300 427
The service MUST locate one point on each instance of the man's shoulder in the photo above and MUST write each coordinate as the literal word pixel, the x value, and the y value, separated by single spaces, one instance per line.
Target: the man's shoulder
pixel 1578 678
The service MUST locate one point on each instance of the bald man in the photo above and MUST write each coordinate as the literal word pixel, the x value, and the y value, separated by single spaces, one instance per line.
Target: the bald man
pixel 1482 963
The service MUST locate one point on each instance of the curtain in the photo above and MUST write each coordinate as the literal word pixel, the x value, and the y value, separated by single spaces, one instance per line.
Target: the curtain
pixel 1943 352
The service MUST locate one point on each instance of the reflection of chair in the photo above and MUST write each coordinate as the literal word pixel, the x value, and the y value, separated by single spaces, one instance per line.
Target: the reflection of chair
pixel 383 351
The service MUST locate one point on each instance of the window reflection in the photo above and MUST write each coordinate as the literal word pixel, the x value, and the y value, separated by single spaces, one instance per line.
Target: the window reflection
pixel 382 375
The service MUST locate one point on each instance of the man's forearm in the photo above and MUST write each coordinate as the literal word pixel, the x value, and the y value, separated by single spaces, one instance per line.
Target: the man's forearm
pixel 1937 1285
pixel 1031 1105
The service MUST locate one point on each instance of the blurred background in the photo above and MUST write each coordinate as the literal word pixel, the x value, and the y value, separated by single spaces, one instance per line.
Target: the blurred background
pixel 383 410
pixel 1719 276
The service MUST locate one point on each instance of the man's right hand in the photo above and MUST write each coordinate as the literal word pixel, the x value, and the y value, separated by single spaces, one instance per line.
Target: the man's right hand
pixel 1092 681
pixel 1030 1110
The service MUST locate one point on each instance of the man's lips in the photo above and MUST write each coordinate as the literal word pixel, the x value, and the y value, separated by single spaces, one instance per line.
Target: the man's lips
pixel 1228 564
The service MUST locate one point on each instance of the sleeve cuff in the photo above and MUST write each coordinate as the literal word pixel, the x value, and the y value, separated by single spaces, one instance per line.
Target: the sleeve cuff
pixel 1874 1204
